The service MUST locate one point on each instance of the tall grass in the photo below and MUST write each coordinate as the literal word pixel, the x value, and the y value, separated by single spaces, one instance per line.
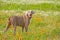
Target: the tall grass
pixel 44 25
pixel 40 28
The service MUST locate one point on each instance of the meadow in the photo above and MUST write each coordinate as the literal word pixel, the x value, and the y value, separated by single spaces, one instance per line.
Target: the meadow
pixel 44 25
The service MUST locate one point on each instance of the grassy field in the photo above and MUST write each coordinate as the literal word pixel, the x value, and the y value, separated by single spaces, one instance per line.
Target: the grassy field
pixel 44 25
pixel 42 6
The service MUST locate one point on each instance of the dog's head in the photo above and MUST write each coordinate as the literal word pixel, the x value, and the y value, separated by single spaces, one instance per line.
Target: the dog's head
pixel 29 13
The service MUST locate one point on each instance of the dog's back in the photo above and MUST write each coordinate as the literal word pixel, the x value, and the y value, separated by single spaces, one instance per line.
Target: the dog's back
pixel 16 20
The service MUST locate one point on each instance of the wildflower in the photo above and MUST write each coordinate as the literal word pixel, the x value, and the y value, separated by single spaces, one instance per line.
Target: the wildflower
pixel 17 34
pixel 1 21
pixel 38 19
pixel 43 31
pixel 20 37
pixel 56 37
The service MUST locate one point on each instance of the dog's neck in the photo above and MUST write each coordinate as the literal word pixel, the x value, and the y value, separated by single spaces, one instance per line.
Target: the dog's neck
pixel 26 17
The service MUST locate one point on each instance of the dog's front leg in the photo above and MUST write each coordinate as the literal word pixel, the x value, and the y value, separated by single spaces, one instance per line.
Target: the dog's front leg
pixel 26 26
pixel 22 28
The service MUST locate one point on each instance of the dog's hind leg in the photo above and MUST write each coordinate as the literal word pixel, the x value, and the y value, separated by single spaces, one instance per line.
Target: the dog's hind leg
pixel 14 31
pixel 7 26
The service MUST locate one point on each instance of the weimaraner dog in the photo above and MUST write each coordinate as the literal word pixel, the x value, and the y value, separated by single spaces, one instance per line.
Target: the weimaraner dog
pixel 22 21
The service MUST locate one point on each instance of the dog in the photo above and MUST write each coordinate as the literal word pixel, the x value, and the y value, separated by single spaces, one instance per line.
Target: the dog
pixel 22 21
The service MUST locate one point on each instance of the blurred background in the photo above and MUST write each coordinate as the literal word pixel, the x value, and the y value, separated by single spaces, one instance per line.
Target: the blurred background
pixel 44 25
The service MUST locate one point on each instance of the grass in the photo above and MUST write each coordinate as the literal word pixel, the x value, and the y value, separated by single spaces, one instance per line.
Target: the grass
pixel 42 6
pixel 45 26
pixel 40 28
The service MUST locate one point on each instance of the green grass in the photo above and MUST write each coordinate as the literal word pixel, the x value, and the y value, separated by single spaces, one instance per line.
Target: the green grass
pixel 40 28
pixel 42 6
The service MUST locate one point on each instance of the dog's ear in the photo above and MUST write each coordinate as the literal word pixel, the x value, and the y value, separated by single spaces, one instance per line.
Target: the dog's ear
pixel 28 15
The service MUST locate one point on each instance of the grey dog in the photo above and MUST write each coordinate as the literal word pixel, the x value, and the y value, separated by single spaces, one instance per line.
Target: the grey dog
pixel 22 21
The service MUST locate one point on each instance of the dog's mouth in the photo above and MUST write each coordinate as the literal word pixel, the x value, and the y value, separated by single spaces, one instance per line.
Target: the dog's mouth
pixel 30 17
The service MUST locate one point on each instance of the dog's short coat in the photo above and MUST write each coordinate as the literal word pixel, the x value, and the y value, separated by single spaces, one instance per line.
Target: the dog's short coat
pixel 22 20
